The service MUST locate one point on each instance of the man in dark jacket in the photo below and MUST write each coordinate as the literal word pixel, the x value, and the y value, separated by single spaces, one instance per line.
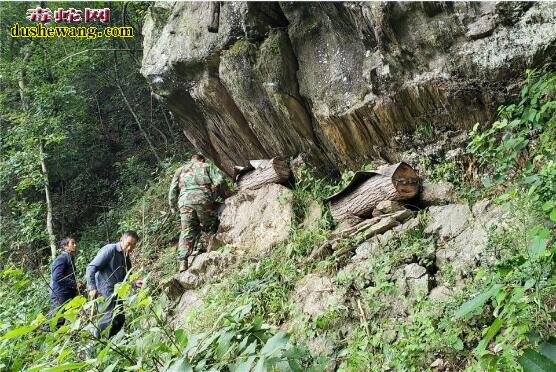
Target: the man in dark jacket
pixel 63 283
pixel 111 266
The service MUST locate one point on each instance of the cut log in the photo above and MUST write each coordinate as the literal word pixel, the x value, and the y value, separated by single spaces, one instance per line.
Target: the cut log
pixel 261 172
pixel 384 225
pixel 367 189
pixel 366 229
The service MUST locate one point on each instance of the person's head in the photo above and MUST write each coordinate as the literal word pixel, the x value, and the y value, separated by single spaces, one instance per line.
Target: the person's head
pixel 69 245
pixel 198 157
pixel 129 240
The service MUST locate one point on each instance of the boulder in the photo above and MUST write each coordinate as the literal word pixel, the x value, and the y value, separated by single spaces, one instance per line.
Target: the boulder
pixel 468 248
pixel 412 279
pixel 414 271
pixel 480 207
pixel 402 215
pixel 449 220
pixel 418 285
pixel 204 267
pixel 440 293
pixel 407 225
pixel 317 294
pixel 255 220
pixel 444 256
pixel 482 27
pixel 386 236
pixel 190 299
pixel 416 278
pixel 368 249
pixel 437 193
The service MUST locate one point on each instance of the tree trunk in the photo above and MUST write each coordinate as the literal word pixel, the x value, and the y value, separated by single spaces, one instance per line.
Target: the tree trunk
pixel 21 81
pixel 44 169
pixel 262 172
pixel 367 189
pixel 49 225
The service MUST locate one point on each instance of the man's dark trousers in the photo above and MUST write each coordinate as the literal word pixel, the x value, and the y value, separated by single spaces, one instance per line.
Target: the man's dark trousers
pixel 111 314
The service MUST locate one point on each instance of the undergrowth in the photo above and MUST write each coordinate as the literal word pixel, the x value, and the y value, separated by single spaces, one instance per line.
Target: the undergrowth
pixel 494 318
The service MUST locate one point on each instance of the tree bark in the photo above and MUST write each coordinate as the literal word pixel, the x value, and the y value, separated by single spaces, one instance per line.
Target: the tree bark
pixel 21 81
pixel 364 231
pixel 360 197
pixel 49 224
pixel 264 172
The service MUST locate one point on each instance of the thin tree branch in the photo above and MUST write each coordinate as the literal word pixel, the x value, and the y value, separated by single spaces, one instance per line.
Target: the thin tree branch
pixel 128 105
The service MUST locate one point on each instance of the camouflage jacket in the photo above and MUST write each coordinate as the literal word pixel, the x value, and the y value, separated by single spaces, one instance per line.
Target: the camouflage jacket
pixel 191 184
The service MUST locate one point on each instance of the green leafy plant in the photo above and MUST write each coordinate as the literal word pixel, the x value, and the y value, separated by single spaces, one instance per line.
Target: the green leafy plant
pixel 519 152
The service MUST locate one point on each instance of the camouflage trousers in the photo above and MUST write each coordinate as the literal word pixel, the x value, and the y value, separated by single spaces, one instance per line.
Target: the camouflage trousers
pixel 194 218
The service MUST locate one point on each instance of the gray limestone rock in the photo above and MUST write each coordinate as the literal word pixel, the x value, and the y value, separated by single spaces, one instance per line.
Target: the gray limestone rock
pixel 412 279
pixel 449 220
pixel 482 27
pixel 440 293
pixel 414 271
pixel 468 248
pixel 437 193
pixel 418 285
pixel 255 220
pixel 316 294
pixel 190 299
pixel 416 278
pixel 368 249
pixel 408 225
pixel 204 267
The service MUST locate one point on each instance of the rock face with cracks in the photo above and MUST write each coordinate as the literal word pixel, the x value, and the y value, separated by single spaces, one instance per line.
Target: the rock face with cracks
pixel 336 81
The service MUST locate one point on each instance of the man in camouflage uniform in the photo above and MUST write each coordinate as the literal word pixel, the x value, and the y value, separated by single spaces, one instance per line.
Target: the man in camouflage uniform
pixel 193 186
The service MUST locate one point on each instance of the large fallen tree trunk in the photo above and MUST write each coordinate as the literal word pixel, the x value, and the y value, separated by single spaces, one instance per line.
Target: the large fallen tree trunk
pixel 261 172
pixel 367 189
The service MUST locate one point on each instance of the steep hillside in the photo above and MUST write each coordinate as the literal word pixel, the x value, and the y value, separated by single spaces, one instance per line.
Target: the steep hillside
pixel 459 280
pixel 461 276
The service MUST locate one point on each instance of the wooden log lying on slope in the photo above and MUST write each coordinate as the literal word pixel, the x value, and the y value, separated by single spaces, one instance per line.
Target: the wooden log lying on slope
pixel 261 172
pixel 366 229
pixel 367 189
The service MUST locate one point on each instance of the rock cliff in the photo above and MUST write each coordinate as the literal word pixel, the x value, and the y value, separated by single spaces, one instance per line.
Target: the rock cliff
pixel 337 81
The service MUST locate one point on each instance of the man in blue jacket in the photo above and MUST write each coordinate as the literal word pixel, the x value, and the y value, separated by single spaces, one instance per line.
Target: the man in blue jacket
pixel 111 266
pixel 63 283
